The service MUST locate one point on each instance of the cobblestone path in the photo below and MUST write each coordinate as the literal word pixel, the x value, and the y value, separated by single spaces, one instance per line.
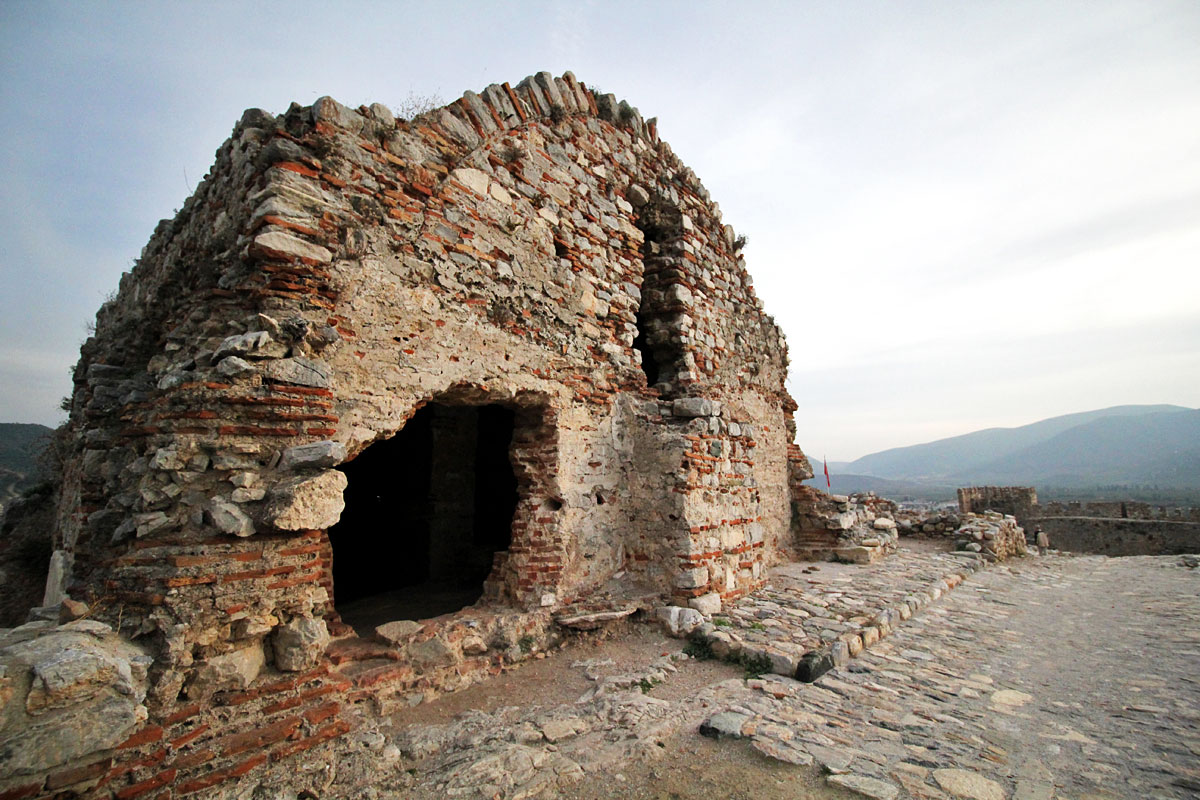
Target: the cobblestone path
pixel 1060 677
pixel 1067 677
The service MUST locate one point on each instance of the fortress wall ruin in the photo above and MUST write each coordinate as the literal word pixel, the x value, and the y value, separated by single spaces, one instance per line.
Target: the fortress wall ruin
pixel 531 265
pixel 1121 537
pixel 1019 501
pixel 1119 509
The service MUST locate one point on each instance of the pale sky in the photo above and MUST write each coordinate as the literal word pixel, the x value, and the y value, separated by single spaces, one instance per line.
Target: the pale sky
pixel 962 214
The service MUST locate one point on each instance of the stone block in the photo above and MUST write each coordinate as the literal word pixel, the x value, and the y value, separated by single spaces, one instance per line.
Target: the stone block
pixel 228 518
pixel 707 604
pixel 432 653
pixel 964 783
pixel 692 578
pixel 231 671
pixel 56 577
pixel 724 646
pixel 326 109
pixel 81 690
pixel 855 555
pixel 473 179
pixel 813 665
pixel 679 622
pixel 725 725
pixel 299 644
pixel 637 196
pixel 306 502
pixel 398 632
pixel 473 645
pixel 232 367
pixel 256 344
pixel 300 371
pixel 688 407
pixel 782 663
pixel 866 786
pixel 842 522
pixel 315 455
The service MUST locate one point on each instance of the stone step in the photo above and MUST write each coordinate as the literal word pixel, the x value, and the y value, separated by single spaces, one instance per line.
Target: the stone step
pixel 817 553
pixel 800 652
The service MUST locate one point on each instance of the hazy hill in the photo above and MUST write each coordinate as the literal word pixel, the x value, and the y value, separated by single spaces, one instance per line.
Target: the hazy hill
pixel 973 453
pixel 845 483
pixel 1130 451
pixel 1160 449
pixel 20 444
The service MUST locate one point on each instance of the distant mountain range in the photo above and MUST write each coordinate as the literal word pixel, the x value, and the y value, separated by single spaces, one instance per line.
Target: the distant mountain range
pixel 1134 446
pixel 20 445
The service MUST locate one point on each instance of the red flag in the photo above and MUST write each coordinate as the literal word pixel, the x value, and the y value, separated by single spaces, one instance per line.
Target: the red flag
pixel 828 485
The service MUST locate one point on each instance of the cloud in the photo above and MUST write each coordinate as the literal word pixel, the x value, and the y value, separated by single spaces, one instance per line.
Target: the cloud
pixel 961 215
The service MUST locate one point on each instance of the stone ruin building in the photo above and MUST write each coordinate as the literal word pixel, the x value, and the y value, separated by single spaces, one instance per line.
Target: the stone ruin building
pixel 383 409
pixel 1017 501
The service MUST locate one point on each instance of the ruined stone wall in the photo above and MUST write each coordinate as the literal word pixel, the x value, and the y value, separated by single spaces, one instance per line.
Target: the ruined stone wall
pixel 1121 537
pixel 997 536
pixel 858 528
pixel 1018 501
pixel 1117 509
pixel 534 247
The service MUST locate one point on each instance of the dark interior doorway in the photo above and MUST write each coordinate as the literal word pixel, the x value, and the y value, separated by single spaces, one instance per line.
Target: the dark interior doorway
pixel 426 512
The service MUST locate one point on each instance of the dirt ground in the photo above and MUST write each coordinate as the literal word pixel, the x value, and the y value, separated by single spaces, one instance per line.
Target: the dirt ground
pixel 691 766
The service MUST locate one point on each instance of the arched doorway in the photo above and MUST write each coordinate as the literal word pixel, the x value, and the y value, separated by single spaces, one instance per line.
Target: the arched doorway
pixel 427 512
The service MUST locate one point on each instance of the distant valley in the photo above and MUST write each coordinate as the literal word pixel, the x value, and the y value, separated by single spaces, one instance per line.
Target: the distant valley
pixel 20 446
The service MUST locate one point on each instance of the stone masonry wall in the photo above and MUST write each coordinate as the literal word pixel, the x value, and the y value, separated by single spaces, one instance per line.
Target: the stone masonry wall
pixel 1117 509
pixel 1015 500
pixel 535 247
pixel 1121 537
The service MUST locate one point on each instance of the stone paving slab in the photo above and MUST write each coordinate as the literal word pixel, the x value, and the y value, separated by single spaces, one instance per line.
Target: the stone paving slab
pixel 1058 677
pixel 1055 678
pixel 812 617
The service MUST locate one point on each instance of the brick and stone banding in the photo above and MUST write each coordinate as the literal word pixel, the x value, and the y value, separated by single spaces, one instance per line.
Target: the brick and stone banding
pixel 337 270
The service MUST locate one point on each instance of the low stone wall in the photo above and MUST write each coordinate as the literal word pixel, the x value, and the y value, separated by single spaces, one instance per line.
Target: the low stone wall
pixel 1121 537
pixel 994 535
pixel 858 528
pixel 910 522
pixel 1118 509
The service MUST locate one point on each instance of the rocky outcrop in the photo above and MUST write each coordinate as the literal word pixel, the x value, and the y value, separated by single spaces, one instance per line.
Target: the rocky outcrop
pixel 69 696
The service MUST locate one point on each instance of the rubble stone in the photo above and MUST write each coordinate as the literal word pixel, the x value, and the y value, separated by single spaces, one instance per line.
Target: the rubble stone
pixel 707 604
pixel 67 692
pixel 230 519
pixel 229 671
pixel 306 502
pixel 300 644
pixel 315 455
pixel 679 622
